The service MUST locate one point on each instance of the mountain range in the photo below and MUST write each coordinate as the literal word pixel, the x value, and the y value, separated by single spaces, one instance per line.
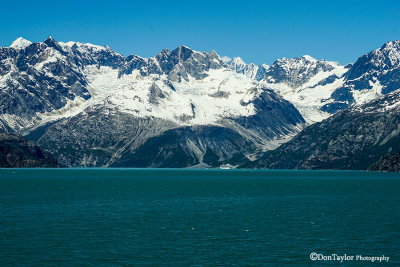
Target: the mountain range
pixel 89 106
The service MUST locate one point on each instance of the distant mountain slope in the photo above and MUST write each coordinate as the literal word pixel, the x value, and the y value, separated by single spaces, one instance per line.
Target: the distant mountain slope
pixel 351 139
pixel 16 152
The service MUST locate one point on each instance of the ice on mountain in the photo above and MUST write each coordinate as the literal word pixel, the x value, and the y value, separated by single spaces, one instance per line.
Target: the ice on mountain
pixel 20 43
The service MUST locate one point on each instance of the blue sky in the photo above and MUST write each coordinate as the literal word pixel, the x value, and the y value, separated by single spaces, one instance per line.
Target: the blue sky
pixel 257 31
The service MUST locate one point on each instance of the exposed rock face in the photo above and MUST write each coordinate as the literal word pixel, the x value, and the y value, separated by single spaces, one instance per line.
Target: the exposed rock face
pixel 372 75
pixel 351 139
pixel 25 89
pixel 387 164
pixel 98 136
pixel 178 64
pixel 17 152
pixel 296 71
pixel 188 146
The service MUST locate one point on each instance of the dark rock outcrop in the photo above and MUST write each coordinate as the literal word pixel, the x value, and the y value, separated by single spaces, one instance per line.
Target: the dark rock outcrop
pixel 390 163
pixel 17 152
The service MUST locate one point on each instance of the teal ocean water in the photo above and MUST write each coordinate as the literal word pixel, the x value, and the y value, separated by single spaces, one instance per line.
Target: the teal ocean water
pixel 114 217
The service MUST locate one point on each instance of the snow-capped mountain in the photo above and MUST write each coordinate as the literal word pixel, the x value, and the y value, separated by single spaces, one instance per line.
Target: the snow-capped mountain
pixel 372 75
pixel 251 70
pixel 363 132
pixel 320 88
pixel 92 106
pixel 354 138
pixel 306 82
pixel 239 66
pixel 20 43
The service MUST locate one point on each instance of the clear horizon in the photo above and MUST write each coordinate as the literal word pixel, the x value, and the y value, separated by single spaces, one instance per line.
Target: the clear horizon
pixel 258 32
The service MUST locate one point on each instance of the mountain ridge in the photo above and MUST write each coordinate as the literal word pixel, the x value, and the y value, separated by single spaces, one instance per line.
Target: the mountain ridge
pixel 91 106
pixel 60 84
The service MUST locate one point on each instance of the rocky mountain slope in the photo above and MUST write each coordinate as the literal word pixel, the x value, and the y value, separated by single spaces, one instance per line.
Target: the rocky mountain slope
pixel 388 163
pixel 351 139
pixel 17 152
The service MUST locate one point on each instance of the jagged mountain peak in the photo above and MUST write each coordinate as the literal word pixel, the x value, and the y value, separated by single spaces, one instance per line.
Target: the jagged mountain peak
pixel 372 75
pixel 182 47
pixel 309 58
pixel 380 63
pixel 51 42
pixel 182 52
pixel 214 54
pixel 86 46
pixel 239 62
pixel 50 39
pixel 20 43
pixel 391 45
pixel 298 61
pixel 163 52
pixel 389 53
pixel 298 69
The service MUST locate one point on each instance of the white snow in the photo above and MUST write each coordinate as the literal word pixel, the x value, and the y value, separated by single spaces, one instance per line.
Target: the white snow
pixel 238 61
pixel 82 46
pixel 363 96
pixel 309 58
pixel 310 97
pixel 51 56
pixel 193 102
pixel 238 65
pixel 20 43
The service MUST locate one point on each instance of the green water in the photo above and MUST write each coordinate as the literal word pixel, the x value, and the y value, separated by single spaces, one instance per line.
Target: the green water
pixel 120 217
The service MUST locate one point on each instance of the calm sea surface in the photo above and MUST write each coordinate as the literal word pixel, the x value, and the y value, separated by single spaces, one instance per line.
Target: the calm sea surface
pixel 103 217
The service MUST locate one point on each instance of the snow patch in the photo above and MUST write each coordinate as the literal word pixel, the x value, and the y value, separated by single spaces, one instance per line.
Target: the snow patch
pixel 364 96
pixel 20 43
pixel 310 97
